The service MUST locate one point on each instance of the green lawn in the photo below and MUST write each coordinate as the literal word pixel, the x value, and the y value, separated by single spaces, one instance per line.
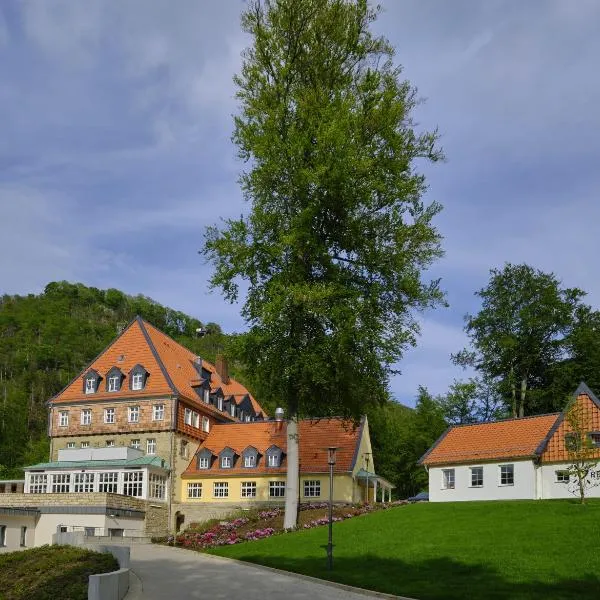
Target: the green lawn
pixel 477 550
pixel 51 573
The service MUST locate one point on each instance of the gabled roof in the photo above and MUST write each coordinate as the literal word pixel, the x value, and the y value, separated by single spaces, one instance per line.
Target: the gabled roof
pixel 170 366
pixel 315 437
pixel 508 439
pixel 554 449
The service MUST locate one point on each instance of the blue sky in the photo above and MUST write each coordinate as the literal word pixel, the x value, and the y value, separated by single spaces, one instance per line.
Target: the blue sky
pixel 115 119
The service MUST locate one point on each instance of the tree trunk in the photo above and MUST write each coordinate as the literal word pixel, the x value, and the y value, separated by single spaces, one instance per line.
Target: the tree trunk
pixel 581 482
pixel 513 389
pixel 522 399
pixel 293 467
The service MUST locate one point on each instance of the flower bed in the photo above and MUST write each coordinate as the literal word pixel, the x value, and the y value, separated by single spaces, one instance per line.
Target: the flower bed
pixel 264 523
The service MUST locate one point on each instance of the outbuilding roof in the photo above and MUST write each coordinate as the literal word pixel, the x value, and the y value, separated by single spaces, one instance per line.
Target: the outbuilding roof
pixel 508 439
pixel 142 461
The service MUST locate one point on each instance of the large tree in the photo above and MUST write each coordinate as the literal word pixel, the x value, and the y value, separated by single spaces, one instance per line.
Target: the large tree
pixel 337 236
pixel 522 329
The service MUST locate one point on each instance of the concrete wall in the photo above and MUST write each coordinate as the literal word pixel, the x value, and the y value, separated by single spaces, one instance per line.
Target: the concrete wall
pixel 524 483
pixel 13 524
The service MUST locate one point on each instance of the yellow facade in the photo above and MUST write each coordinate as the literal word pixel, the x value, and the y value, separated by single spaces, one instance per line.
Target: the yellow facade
pixel 344 489
pixel 345 486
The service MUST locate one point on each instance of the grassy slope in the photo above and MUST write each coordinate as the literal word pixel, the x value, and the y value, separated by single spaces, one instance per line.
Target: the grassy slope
pixel 510 550
pixel 50 573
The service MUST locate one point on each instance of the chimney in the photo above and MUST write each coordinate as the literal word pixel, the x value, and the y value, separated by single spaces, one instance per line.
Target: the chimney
pixel 222 367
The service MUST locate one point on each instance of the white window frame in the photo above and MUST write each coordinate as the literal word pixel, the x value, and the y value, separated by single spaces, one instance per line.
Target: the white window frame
pixel 38 483
pixel 276 489
pixel 137 381
pixel 196 419
pixel 448 479
pixel 187 416
pixel 135 443
pixel 110 415
pixel 560 474
pixel 90 385
pixel 511 467
pixel 205 424
pixel 70 445
pixel 158 412
pixel 219 403
pixel 232 409
pixel 312 488
pixel 85 444
pixel 273 459
pixel 133 414
pixel 157 485
pixel 151 446
pixel 220 489
pixel 133 483
pixel 110 443
pixel 86 416
pixel 83 483
pixel 206 395
pixel 61 483
pixel 226 462
pixel 108 482
pixel 250 461
pixel 113 383
pixel 248 489
pixel 472 470
pixel 63 418
pixel 203 462
pixel 194 490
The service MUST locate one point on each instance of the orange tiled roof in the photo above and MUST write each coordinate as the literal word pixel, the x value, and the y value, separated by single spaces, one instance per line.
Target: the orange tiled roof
pixel 512 438
pixel 169 364
pixel 315 436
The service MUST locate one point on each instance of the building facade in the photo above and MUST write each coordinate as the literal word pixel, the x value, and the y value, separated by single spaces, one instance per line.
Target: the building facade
pixel 244 465
pixel 147 392
pixel 525 458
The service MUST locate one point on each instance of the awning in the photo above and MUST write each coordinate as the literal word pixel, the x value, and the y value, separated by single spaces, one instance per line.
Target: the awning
pixel 371 478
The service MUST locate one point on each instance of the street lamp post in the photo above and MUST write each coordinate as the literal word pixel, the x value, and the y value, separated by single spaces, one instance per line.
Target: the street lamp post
pixel 331 450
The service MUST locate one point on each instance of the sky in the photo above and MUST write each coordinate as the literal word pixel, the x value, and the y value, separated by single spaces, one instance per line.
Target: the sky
pixel 115 151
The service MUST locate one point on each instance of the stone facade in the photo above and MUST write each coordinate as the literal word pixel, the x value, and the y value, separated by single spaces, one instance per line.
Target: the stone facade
pixel 121 407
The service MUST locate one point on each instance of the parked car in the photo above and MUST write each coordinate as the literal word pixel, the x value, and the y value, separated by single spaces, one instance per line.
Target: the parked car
pixel 420 497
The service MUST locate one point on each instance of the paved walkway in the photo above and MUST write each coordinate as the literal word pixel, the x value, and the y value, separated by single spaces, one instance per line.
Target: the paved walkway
pixel 173 573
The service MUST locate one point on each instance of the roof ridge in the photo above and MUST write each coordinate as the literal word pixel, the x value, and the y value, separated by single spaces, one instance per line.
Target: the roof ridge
pixel 142 324
pixel 508 419
pixel 157 330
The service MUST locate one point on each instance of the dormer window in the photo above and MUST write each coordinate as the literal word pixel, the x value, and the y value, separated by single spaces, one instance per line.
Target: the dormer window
pixel 227 458
pixel 274 456
pixel 137 381
pixel 137 378
pixel 203 462
pixel 226 462
pixel 220 403
pixel 250 455
pixel 206 395
pixel 90 382
pixel 113 380
pixel 90 385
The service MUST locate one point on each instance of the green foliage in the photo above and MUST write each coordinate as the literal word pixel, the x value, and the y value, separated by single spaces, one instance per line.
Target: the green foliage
pixel 46 340
pixel 522 329
pixel 51 572
pixel 400 436
pixel 515 550
pixel 337 238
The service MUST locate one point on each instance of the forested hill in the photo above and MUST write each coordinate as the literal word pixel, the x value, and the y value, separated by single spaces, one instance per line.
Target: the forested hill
pixel 47 339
